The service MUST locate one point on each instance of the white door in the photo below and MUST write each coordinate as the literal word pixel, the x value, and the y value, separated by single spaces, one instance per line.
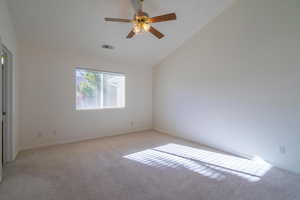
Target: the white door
pixel 1 132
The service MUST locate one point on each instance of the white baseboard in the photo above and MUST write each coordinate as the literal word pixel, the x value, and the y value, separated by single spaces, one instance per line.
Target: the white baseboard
pixel 74 140
pixel 227 150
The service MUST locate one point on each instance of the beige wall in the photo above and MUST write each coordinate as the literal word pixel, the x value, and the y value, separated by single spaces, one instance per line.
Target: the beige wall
pixel 48 99
pixel 7 33
pixel 235 84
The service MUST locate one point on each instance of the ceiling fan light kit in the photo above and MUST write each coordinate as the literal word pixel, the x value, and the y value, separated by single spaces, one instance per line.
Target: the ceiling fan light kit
pixel 142 22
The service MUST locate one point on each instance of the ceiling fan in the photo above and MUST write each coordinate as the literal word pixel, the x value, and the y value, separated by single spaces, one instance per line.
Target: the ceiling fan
pixel 142 22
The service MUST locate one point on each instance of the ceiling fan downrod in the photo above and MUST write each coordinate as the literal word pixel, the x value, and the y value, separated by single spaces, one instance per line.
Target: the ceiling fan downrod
pixel 142 5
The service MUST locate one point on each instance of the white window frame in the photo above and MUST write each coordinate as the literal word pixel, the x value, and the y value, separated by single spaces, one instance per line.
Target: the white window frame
pixel 101 106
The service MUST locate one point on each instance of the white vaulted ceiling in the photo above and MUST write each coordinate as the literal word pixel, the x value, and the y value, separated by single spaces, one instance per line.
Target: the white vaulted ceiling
pixel 78 26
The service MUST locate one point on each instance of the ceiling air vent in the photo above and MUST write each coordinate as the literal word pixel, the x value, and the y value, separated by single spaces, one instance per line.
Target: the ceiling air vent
pixel 106 46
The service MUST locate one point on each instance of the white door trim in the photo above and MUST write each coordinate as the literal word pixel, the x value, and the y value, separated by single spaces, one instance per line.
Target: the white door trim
pixel 8 136
pixel 1 114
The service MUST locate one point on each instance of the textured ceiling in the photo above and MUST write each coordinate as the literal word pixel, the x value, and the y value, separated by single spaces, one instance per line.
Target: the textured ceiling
pixel 78 26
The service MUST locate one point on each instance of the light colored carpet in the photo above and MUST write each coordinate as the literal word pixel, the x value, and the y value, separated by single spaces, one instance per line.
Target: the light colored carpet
pixel 142 166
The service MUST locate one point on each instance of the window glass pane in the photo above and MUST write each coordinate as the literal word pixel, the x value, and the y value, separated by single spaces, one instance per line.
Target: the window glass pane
pixel 88 89
pixel 96 90
pixel 113 90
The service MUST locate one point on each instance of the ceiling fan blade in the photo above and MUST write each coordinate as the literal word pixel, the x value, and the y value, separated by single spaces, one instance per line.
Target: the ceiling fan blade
pixel 155 32
pixel 130 35
pixel 117 20
pixel 163 18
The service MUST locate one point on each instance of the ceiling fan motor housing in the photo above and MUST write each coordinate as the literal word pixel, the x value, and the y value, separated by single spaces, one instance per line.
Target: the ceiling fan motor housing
pixel 141 14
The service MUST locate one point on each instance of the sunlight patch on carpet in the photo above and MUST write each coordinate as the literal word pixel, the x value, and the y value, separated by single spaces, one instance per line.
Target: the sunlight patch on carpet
pixel 206 163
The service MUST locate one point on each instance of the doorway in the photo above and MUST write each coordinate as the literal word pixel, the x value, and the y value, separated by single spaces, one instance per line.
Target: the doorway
pixel 6 88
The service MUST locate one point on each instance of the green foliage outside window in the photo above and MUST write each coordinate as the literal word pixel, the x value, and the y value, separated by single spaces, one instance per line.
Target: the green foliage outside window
pixel 91 84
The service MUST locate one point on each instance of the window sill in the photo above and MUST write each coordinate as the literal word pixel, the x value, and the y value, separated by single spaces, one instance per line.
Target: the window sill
pixel 91 109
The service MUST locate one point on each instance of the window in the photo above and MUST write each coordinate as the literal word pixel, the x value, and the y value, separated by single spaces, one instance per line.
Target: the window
pixel 99 90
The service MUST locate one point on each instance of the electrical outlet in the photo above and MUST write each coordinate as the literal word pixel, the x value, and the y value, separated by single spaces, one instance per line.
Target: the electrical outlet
pixel 282 149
